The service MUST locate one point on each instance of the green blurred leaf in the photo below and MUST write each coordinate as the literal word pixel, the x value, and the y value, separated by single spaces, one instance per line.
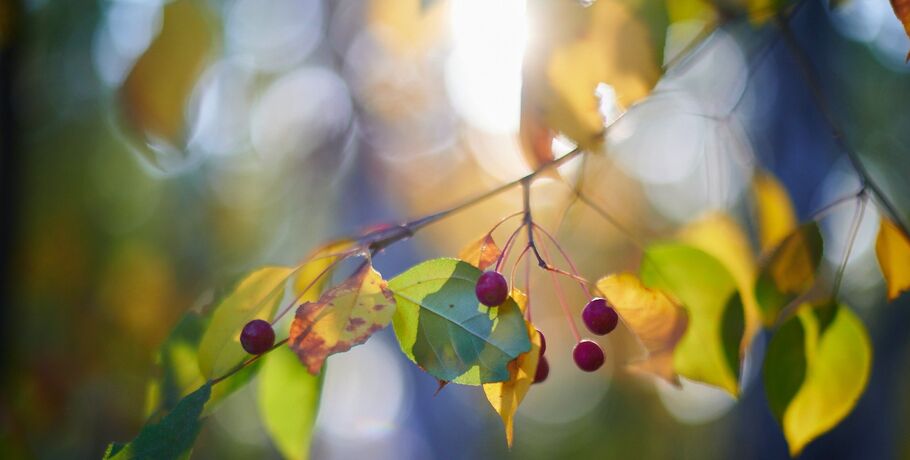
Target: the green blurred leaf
pixel 170 438
pixel 442 327
pixel 716 320
pixel 789 271
pixel 816 368
pixel 256 297
pixel 288 402
pixel 178 363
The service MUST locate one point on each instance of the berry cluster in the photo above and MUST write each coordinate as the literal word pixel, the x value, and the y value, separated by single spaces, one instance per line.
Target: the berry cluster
pixel 599 316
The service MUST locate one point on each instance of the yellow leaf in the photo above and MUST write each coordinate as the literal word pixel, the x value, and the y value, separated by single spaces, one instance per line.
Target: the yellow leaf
pixel 506 396
pixel 313 275
pixel 838 357
pixel 345 316
pixel 155 92
pixel 657 321
pixel 893 250
pixel 256 297
pixel 722 237
pixel 776 217
pixel 481 253
pixel 576 49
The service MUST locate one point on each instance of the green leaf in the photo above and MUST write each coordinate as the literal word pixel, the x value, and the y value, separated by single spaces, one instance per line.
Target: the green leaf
pixel 288 402
pixel 816 368
pixel 789 271
pixel 709 350
pixel 256 297
pixel 442 327
pixel 170 438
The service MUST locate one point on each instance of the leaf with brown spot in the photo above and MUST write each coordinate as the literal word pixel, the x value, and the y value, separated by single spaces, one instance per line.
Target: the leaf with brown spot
pixel 657 321
pixel 481 253
pixel 346 315
pixel 506 396
pixel 893 250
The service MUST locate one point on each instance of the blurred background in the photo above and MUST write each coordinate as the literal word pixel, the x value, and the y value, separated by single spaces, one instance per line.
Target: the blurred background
pixel 154 151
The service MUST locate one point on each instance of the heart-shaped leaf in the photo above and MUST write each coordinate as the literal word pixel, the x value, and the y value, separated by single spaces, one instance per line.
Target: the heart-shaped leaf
pixel 816 367
pixel 444 329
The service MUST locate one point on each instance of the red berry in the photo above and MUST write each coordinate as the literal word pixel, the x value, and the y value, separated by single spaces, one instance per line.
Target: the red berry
pixel 588 356
pixel 599 316
pixel 257 337
pixel 492 289
pixel 543 342
pixel 543 370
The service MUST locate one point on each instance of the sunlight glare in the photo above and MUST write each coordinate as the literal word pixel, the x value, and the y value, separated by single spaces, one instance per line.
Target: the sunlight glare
pixel 483 74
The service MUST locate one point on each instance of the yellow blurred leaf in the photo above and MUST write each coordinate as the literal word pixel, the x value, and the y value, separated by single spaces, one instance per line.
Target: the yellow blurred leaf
pixel 313 274
pixel 256 297
pixel 656 320
pixel 344 316
pixel 789 271
pixel 776 217
pixel 155 93
pixel 722 237
pixel 506 396
pixel 893 251
pixel 407 26
pixel 481 253
pixel 816 368
pixel 576 49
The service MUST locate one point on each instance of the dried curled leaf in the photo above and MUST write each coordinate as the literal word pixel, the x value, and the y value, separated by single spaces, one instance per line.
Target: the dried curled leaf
pixel 776 216
pixel 346 315
pixel 657 321
pixel 902 11
pixel 816 367
pixel 506 396
pixel 893 250
pixel 481 253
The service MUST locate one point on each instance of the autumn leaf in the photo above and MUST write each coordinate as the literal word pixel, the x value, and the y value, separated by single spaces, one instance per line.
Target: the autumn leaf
pixel 578 49
pixel 156 91
pixel 893 250
pixel 789 271
pixel 722 237
pixel 816 368
pixel 444 329
pixel 170 438
pixel 315 270
pixel 776 216
pixel 256 297
pixel 481 253
pixel 288 402
pixel 505 397
pixel 345 316
pixel 655 319
pixel 709 350
pixel 902 11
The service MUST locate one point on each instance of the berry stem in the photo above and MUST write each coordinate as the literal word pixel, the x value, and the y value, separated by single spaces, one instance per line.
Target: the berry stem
pixel 854 228
pixel 562 302
pixel 507 248
pixel 341 257
pixel 528 289
pixel 565 256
